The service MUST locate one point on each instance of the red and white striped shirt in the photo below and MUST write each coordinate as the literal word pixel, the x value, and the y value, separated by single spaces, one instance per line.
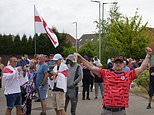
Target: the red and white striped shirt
pixel 116 87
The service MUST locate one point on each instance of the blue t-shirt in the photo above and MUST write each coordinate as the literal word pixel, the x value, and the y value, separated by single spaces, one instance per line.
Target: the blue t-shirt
pixel 41 70
pixel 126 69
pixel 51 64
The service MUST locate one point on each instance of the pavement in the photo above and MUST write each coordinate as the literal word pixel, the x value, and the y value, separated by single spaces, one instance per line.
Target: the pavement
pixel 137 105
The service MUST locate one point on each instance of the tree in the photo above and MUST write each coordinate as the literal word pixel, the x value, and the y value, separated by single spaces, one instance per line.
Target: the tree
pixel 24 44
pixel 128 36
pixel 123 36
pixel 29 48
pixel 89 49
pixel 6 44
pixel 17 46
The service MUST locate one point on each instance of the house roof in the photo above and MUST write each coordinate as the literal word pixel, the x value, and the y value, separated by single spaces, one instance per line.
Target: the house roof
pixel 87 37
pixel 70 38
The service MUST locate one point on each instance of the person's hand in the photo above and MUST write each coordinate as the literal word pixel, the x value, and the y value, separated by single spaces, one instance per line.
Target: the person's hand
pixel 152 74
pixel 53 73
pixel 76 54
pixel 19 68
pixel 148 50
pixel 52 77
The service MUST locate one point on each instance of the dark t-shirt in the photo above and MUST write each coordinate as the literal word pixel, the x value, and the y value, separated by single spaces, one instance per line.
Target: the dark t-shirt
pixel 151 77
pixel 87 77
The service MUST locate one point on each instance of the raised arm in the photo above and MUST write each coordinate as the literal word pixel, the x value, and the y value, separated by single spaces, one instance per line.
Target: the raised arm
pixel 145 62
pixel 86 63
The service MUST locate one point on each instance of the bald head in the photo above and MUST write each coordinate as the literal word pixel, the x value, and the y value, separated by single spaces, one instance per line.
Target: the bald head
pixel 13 61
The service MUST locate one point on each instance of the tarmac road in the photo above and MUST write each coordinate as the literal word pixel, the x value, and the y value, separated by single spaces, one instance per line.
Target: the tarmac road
pixel 137 106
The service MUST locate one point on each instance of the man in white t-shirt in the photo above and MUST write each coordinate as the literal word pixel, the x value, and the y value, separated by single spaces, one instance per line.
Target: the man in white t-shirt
pixel 59 84
pixel 12 87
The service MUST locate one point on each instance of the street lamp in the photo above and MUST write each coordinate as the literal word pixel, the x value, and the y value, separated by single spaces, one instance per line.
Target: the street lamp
pixel 99 2
pixel 103 15
pixel 76 36
pixel 99 28
pixel 103 7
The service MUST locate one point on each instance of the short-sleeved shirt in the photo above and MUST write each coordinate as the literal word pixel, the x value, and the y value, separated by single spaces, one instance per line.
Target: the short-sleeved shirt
pixel 116 87
pixel 40 71
pixel 151 77
pixel 52 64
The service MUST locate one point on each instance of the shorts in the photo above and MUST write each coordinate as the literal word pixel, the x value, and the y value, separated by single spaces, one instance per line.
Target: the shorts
pixel 42 92
pixel 13 100
pixel 58 100
pixel 151 90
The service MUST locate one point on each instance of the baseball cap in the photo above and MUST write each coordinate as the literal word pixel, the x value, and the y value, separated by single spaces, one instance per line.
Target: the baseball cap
pixel 57 57
pixel 118 59
pixel 71 58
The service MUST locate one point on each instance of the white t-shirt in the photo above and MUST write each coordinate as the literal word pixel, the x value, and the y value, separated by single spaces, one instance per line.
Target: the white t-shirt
pixel 11 80
pixel 61 79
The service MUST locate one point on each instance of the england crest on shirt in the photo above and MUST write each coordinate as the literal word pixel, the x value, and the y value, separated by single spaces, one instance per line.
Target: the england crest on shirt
pixel 122 77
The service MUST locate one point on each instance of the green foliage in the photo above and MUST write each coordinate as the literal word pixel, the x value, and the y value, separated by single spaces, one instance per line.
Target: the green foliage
pixel 68 51
pixel 16 45
pixel 128 36
pixel 143 79
pixel 30 46
pixel 123 36
pixel 89 49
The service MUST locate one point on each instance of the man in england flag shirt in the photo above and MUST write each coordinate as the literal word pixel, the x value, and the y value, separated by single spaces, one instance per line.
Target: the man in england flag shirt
pixel 12 87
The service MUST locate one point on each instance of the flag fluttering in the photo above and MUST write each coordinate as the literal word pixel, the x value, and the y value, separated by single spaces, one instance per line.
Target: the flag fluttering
pixel 41 27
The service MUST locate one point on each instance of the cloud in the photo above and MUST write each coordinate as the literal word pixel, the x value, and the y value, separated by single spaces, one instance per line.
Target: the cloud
pixel 17 15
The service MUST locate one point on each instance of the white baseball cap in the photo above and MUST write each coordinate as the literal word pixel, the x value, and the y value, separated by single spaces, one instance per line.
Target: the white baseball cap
pixel 57 57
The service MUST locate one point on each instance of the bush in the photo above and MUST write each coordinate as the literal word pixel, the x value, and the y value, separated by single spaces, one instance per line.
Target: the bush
pixel 143 80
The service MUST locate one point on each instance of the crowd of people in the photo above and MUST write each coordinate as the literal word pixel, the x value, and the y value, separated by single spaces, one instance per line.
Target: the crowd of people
pixel 24 78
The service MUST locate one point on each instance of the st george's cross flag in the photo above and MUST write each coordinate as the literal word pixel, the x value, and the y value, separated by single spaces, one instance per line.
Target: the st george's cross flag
pixel 42 27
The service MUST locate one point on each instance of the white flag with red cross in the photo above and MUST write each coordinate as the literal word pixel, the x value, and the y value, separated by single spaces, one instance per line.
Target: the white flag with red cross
pixel 41 27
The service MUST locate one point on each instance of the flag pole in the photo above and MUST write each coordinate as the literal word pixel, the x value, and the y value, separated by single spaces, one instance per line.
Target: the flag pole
pixel 34 32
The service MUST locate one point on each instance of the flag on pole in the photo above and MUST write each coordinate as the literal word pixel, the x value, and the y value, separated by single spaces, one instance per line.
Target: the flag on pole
pixel 41 27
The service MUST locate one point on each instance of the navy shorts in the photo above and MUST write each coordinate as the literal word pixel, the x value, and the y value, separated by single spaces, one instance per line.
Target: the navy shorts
pixel 13 100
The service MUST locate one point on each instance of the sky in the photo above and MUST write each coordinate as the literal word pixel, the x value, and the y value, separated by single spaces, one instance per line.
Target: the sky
pixel 17 16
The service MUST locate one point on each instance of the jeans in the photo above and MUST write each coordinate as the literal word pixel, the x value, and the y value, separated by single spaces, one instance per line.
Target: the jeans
pixel 101 85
